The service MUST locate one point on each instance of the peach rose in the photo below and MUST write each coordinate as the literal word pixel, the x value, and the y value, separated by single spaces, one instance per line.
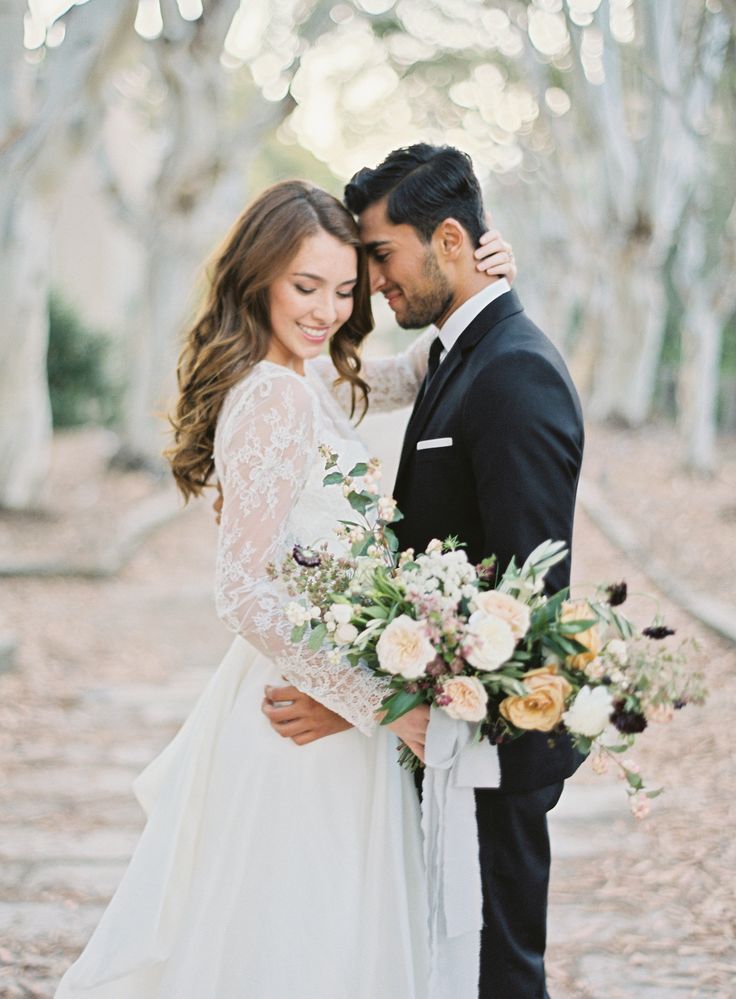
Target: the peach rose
pixel 580 610
pixel 541 708
pixel 468 698
pixel 404 649
pixel 516 614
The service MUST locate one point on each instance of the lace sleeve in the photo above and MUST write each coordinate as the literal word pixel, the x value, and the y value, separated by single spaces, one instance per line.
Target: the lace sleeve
pixel 394 380
pixel 266 447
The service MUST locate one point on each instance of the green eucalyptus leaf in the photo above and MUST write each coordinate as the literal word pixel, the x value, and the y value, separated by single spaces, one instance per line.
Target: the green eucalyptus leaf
pixel 317 637
pixel 360 501
pixel 297 633
pixel 376 612
pixel 399 703
pixel 575 627
pixel 357 470
pixel 393 541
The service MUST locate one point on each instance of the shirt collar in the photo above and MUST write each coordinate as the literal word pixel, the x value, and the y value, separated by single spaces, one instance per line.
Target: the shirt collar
pixel 463 316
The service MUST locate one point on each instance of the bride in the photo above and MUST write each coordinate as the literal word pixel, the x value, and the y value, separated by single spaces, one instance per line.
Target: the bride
pixel 268 870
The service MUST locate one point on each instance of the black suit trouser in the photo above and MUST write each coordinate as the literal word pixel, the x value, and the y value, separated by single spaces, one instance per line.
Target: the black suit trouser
pixel 515 861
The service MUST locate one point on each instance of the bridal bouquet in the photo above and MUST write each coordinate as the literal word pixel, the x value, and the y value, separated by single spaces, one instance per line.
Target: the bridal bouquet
pixel 486 647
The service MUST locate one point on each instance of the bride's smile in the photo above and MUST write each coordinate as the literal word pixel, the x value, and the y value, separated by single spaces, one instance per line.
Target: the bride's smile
pixel 311 300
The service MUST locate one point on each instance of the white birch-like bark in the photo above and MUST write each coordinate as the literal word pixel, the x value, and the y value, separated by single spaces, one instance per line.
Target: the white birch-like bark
pixel 708 293
pixel 37 106
pixel 195 193
pixel 616 191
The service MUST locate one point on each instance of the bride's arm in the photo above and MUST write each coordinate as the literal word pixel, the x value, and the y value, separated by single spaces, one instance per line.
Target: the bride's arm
pixel 394 380
pixel 267 446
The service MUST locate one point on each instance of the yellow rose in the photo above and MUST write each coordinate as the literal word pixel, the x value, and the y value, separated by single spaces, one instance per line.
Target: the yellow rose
pixel 541 709
pixel 580 610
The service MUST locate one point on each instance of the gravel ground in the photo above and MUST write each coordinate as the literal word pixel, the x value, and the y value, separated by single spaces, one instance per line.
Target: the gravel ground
pixel 686 522
pixel 107 670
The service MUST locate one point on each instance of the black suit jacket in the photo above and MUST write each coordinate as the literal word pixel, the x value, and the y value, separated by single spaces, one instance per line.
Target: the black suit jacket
pixel 509 479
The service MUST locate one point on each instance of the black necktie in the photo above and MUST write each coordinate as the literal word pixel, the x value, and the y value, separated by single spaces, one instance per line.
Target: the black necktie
pixel 433 362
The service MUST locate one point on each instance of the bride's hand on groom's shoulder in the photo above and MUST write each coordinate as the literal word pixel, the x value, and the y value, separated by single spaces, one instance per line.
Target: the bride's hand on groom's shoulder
pixel 494 255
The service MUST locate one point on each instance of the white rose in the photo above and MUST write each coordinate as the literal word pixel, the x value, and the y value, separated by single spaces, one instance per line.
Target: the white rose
pixel 516 614
pixel 341 613
pixel 404 649
pixel 589 713
pixel 618 648
pixel 315 613
pixel 492 642
pixel 345 634
pixel 434 546
pixel 468 698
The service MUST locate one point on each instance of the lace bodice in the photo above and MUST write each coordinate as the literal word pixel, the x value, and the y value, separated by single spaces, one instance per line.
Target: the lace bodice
pixel 394 380
pixel 267 461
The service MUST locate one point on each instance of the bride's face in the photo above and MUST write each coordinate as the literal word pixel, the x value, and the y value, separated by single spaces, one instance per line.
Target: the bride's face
pixel 311 300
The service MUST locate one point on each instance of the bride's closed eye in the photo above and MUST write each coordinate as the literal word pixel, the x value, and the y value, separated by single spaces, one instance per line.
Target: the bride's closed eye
pixel 310 291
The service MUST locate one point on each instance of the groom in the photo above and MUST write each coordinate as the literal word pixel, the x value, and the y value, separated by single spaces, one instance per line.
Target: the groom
pixel 492 454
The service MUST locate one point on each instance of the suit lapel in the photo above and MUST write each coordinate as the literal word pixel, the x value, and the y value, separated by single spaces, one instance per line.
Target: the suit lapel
pixel 501 308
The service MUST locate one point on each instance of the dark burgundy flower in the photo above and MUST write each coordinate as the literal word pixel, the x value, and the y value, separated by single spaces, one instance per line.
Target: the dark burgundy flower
pixel 628 722
pixel 657 631
pixel 679 704
pixel 486 570
pixel 437 667
pixel 617 593
pixel 306 557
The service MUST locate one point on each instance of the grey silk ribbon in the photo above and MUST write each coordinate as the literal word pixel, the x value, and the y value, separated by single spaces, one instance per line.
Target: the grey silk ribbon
pixel 456 763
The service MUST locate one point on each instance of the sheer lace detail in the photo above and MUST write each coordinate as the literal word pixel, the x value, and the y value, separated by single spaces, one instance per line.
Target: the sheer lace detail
pixel 267 462
pixel 394 380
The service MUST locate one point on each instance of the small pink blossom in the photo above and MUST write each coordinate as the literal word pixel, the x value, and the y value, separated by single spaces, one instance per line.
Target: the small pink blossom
pixel 640 807
pixel 659 713
pixel 599 763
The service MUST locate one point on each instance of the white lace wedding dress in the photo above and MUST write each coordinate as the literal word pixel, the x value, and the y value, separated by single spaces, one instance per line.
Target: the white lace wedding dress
pixel 268 870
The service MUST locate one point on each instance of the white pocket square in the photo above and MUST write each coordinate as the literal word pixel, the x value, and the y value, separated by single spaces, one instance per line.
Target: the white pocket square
pixel 435 442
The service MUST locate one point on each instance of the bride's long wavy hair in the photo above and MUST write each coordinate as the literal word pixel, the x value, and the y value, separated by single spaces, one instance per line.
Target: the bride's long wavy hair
pixel 233 330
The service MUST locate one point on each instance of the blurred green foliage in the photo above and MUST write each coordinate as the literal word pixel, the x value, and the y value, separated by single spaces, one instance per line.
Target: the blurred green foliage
pixel 82 385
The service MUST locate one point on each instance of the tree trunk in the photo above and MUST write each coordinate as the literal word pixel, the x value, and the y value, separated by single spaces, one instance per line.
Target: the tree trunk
pixel 698 385
pixel 25 411
pixel 633 329
pixel 35 107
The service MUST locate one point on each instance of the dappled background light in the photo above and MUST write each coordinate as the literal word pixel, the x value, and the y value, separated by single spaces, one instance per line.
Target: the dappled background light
pixel 601 131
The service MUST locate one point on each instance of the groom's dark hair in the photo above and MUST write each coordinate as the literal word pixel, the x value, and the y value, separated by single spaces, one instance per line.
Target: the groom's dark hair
pixel 425 185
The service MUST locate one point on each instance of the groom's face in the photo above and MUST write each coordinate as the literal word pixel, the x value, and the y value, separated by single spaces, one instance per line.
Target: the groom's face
pixel 404 269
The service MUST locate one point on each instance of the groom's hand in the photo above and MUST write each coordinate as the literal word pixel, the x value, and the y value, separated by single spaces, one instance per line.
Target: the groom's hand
pixel 411 728
pixel 302 720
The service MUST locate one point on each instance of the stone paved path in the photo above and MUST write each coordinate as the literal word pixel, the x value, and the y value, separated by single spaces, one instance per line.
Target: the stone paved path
pixel 108 670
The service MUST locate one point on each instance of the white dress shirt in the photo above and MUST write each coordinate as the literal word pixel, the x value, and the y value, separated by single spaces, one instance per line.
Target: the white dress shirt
pixel 463 316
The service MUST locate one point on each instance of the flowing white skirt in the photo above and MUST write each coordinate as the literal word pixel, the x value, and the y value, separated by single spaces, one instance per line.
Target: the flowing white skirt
pixel 266 870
